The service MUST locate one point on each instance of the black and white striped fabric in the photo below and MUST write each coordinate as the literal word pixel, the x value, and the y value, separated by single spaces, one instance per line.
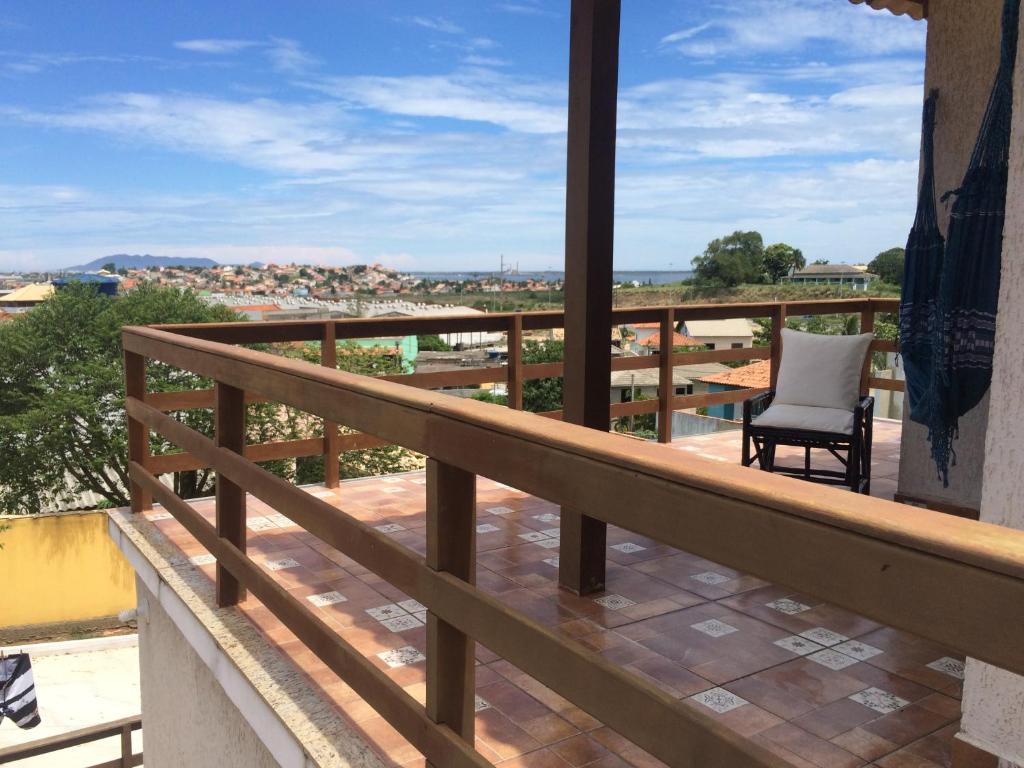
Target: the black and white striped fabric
pixel 17 691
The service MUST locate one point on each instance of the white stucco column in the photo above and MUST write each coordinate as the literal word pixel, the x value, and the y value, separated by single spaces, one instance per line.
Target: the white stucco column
pixel 993 704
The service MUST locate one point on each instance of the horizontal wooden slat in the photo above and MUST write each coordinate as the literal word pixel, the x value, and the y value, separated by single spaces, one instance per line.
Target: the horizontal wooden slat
pixel 597 686
pixel 706 399
pixel 360 442
pixel 190 398
pixel 458 378
pixel 881 345
pixel 69 739
pixel 437 742
pixel 893 385
pixel 633 408
pixel 958 582
pixel 282 449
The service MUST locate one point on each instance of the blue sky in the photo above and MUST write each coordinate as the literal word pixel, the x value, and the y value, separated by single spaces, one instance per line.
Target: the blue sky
pixel 431 135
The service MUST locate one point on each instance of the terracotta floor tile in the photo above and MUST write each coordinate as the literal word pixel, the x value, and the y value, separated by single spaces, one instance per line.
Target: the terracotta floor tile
pixel 864 744
pixel 580 750
pixel 808 747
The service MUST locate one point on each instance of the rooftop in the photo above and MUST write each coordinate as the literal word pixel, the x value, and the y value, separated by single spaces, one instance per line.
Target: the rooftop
pixel 757 375
pixel 803 678
pixel 734 326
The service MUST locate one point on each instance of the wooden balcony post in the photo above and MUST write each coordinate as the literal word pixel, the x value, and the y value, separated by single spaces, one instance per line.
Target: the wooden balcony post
pixel 329 359
pixel 138 434
pixel 867 325
pixel 589 236
pixel 515 363
pixel 451 547
pixel 778 323
pixel 126 745
pixel 230 434
pixel 666 388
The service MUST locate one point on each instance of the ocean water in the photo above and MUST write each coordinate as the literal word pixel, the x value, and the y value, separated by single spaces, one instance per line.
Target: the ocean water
pixel 654 277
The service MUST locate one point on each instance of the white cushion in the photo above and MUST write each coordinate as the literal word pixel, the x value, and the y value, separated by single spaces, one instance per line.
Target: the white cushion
pixel 821 371
pixel 807 417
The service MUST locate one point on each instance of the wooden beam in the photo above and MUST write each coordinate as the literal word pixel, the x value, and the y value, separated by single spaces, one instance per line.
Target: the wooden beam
pixel 515 363
pixel 666 387
pixel 867 325
pixel 138 435
pixel 451 547
pixel 329 359
pixel 589 236
pixel 778 323
pixel 230 434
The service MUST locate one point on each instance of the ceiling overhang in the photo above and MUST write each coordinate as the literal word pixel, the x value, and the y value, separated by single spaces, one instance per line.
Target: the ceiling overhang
pixel 915 9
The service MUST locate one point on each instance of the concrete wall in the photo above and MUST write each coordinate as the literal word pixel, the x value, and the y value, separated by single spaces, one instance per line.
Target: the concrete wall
pixel 963 54
pixel 61 568
pixel 993 699
pixel 188 719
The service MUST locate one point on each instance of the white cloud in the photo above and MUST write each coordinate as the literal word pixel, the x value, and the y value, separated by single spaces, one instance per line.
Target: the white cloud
pixel 685 34
pixel 289 57
pixel 214 45
pixel 436 24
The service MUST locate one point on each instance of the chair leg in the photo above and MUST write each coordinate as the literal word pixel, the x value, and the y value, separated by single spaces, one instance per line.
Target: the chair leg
pixel 745 458
pixel 807 462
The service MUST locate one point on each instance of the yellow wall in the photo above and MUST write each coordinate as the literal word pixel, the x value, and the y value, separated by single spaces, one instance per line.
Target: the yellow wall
pixel 61 567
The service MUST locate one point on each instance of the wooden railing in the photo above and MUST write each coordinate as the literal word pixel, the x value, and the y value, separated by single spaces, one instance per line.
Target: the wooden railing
pixel 122 728
pixel 957 582
pixel 515 373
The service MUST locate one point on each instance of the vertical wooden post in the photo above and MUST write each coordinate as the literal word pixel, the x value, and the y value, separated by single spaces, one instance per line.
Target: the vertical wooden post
pixel 867 325
pixel 589 230
pixel 230 433
pixel 138 433
pixel 778 323
pixel 329 359
pixel 514 385
pixel 666 389
pixel 126 746
pixel 451 547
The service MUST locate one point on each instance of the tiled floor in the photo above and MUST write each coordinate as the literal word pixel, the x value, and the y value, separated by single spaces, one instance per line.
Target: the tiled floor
pixel 810 681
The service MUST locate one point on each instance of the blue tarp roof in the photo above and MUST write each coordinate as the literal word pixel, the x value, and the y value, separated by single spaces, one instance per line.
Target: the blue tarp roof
pixel 86 277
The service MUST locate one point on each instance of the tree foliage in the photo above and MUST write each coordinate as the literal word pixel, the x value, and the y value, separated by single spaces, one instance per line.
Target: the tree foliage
pixel 731 260
pixel 780 258
pixel 888 265
pixel 541 395
pixel 432 343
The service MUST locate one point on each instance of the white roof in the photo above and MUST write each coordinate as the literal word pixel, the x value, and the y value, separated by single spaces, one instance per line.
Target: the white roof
pixel 737 326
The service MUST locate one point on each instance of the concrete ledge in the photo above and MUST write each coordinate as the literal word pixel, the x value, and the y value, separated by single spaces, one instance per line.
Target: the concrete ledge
pixel 298 727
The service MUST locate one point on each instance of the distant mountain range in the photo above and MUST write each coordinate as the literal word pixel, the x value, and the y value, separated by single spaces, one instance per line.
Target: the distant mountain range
pixel 136 261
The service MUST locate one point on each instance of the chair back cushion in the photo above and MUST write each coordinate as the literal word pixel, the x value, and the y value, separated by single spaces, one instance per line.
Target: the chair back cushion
pixel 822 371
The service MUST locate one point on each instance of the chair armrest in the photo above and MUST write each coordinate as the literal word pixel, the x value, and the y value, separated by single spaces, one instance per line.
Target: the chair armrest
pixel 759 402
pixel 865 408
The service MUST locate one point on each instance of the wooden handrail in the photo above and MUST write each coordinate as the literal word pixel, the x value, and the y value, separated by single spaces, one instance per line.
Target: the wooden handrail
pixel 122 728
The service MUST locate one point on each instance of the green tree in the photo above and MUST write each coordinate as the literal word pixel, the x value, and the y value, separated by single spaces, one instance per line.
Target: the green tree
pixel 62 425
pixel 432 343
pixel 109 266
pixel 731 260
pixel 780 258
pixel 888 265
pixel 541 395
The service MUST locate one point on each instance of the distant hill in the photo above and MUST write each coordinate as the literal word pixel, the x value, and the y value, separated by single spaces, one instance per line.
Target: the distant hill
pixel 136 261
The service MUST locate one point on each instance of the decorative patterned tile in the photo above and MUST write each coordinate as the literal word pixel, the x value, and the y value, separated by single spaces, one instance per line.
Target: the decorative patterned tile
pixel 283 564
pixel 259 524
pixel 554 533
pixel 832 659
pixel 203 560
pixel 787 606
pixel 824 636
pixel 389 528
pixel 322 494
pixel 719 700
pixel 419 481
pixel 389 611
pixel 532 536
pixel 614 602
pixel 479 705
pixel 552 561
pixel 393 489
pixel 401 657
pixel 154 516
pixel 500 510
pixel 402 623
pixel 392 480
pixel 281 521
pixel 421 616
pixel 487 528
pixel 628 548
pixel 798 645
pixel 326 598
pixel 948 666
pixel 858 650
pixel 547 543
pixel 710 577
pixel 714 628
pixel 879 700
pixel 547 517
pixel 412 606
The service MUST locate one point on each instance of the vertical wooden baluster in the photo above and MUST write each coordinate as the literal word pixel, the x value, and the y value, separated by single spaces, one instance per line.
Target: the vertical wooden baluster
pixel 126 745
pixel 451 547
pixel 515 362
pixel 666 389
pixel 329 359
pixel 778 323
pixel 138 433
pixel 230 434
pixel 867 325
